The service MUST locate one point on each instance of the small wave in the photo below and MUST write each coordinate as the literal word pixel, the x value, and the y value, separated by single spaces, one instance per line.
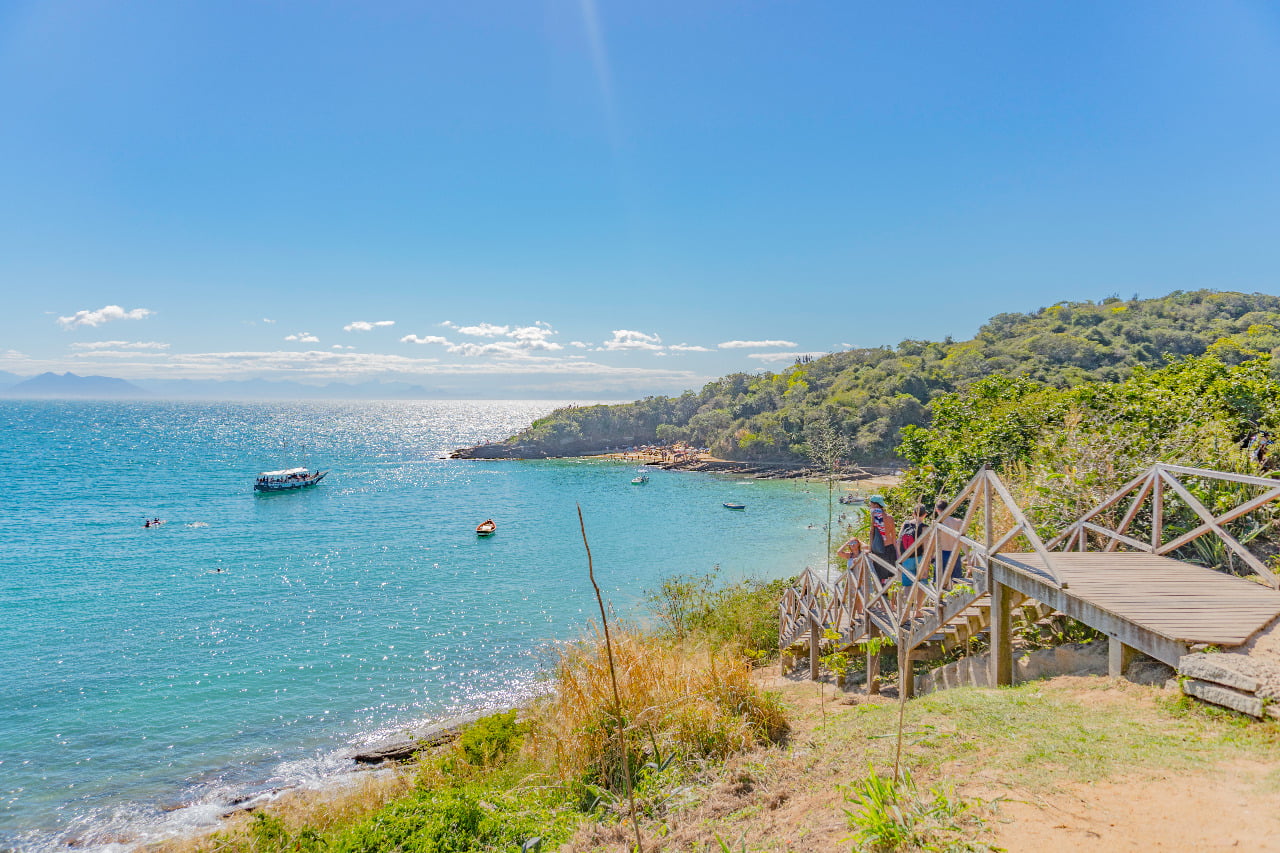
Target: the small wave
pixel 198 524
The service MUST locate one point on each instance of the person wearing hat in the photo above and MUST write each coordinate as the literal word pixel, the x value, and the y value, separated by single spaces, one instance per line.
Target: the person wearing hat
pixel 884 536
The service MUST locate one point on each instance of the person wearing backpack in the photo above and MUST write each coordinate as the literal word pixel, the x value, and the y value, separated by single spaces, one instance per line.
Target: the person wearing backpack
pixel 912 530
pixel 883 537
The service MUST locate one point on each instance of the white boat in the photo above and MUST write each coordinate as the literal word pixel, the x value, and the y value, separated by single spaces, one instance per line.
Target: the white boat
pixel 289 478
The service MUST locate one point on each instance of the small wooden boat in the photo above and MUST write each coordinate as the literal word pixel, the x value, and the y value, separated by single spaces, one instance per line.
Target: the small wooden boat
pixel 732 505
pixel 486 528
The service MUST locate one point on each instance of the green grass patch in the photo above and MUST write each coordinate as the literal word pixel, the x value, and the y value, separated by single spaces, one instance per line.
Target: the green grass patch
pixel 1035 737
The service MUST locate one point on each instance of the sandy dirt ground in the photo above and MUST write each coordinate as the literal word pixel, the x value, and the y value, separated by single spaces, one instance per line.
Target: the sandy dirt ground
pixel 791 799
pixel 1226 808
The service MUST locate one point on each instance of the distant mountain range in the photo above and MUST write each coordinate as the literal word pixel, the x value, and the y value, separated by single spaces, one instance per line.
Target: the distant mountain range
pixel 54 385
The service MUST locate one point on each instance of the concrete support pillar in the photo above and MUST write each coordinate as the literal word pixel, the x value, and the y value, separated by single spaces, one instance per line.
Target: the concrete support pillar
pixel 873 664
pixel 815 636
pixel 1001 635
pixel 1119 656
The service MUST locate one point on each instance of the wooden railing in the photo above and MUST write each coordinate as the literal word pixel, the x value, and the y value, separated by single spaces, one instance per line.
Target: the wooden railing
pixel 1147 491
pixel 912 597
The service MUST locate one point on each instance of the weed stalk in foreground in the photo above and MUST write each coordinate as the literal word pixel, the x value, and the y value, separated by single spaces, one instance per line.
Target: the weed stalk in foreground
pixel 613 677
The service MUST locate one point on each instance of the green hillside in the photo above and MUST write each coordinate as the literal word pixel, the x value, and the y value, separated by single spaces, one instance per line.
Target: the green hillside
pixel 868 395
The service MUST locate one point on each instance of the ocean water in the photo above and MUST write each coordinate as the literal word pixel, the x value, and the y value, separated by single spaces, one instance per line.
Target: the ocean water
pixel 150 676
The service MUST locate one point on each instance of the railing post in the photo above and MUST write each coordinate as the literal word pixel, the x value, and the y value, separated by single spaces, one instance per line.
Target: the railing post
pixel 1157 510
pixel 1001 633
pixel 814 635
pixel 987 522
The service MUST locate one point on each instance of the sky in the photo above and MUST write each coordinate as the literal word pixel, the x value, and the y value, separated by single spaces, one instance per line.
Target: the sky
pixel 553 197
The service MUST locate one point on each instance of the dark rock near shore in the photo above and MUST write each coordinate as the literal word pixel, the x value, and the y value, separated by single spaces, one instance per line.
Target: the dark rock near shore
pixel 500 451
pixel 404 747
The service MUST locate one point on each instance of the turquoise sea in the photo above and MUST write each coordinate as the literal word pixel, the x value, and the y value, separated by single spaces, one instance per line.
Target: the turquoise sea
pixel 149 677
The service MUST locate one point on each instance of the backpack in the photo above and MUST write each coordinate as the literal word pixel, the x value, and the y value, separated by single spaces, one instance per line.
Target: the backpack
pixel 910 530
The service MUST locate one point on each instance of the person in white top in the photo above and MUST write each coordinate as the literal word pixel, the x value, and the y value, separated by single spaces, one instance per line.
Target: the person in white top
pixel 948 532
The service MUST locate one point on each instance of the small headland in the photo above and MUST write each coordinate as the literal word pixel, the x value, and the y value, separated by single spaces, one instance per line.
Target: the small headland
pixel 676 458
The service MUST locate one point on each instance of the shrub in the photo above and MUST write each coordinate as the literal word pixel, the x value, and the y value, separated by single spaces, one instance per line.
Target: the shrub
pixel 490 739
pixel 893 816
pixel 691 700
pixel 462 818
pixel 743 613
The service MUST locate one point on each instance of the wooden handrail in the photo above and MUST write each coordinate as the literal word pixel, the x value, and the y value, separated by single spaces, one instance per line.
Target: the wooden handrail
pixel 1148 489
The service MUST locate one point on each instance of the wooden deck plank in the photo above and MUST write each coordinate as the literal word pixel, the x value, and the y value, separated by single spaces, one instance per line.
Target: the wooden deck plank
pixel 1176 600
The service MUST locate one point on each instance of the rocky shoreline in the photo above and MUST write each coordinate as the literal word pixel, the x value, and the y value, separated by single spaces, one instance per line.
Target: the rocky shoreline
pixel 703 463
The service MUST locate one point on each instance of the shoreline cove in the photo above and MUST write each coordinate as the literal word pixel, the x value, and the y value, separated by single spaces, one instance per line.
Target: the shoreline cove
pixel 257 642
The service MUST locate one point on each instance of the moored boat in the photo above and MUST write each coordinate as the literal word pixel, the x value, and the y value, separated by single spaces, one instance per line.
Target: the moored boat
pixel 732 505
pixel 289 478
pixel 486 527
pixel 640 481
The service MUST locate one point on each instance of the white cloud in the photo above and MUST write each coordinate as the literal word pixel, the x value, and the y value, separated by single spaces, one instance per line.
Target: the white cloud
pixel 303 338
pixel 118 345
pixel 579 344
pixel 784 356
pixel 757 344
pixel 521 341
pixel 104 314
pixel 426 339
pixel 269 322
pixel 366 326
pixel 687 348
pixel 341 347
pixel 118 354
pixel 627 339
pixel 481 330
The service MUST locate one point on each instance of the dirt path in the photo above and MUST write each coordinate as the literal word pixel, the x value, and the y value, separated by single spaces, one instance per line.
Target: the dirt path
pixel 1228 807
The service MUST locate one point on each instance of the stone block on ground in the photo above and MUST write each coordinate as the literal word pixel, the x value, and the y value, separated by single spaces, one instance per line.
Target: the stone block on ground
pixel 1224 696
pixel 1227 670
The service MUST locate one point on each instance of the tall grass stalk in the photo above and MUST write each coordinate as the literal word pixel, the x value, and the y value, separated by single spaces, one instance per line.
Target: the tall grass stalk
pixel 613 678
pixel 904 672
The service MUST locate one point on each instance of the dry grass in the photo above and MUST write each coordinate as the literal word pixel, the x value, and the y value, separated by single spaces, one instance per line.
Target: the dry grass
pixel 325 808
pixel 689 700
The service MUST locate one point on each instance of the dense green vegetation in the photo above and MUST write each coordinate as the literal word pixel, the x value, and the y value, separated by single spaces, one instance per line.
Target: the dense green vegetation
pixel 868 395
pixel 1062 450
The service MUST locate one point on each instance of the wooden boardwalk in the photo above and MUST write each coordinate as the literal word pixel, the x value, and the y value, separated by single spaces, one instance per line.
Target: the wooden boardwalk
pixel 1157 605
pixel 1141 599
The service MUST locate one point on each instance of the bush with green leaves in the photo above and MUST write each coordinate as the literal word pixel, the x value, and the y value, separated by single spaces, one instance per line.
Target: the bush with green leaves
pixel 740 612
pixel 489 740
pixel 460 818
pixel 890 816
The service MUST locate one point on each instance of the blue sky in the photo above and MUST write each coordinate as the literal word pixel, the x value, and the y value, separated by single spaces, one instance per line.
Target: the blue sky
pixel 596 197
